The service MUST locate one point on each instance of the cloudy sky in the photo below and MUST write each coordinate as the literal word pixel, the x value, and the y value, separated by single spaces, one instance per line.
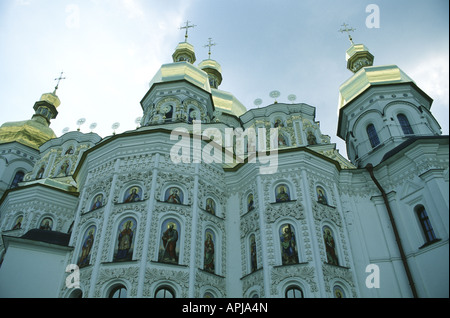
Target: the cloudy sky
pixel 109 50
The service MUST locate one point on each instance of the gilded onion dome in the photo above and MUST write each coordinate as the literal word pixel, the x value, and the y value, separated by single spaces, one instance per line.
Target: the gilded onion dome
pixel 35 131
pixel 214 71
pixel 360 62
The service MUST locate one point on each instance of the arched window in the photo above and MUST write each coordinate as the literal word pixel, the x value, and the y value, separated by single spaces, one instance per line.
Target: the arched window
pixel 208 295
pixel 164 292
pixel 338 292
pixel 118 292
pixel 169 113
pixel 253 256
pixel 293 292
pixel 193 114
pixel 77 293
pixel 373 136
pixel 404 123
pixel 426 224
pixel 17 178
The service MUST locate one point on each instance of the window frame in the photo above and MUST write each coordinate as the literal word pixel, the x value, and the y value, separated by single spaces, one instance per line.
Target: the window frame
pixel 404 124
pixel 373 135
pixel 293 288
pixel 425 224
pixel 118 288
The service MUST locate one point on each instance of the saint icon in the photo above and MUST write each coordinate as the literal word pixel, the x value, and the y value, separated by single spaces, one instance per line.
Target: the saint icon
pixel 168 252
pixel 125 238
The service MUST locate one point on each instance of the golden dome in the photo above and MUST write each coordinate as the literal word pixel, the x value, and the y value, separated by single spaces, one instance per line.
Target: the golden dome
pixel 184 52
pixel 214 71
pixel 32 133
pixel 35 131
pixel 51 98
pixel 370 76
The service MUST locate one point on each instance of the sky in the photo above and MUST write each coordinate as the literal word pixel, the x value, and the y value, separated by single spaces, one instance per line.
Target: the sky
pixel 109 50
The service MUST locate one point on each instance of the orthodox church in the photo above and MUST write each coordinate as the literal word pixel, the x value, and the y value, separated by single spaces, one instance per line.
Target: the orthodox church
pixel 208 199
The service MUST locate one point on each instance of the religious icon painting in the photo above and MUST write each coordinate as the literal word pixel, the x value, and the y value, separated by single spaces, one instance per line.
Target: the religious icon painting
pixel 173 195
pixel 338 292
pixel 86 247
pixel 18 223
pixel 69 151
pixel 278 123
pixel 209 252
pixel 64 169
pixel 282 193
pixel 169 246
pixel 97 202
pixel 40 173
pixel 330 246
pixel 250 202
pixel 253 258
pixel 46 224
pixel 321 196
pixel 132 194
pixel 123 249
pixel 208 295
pixel 289 251
pixel 211 206
pixel 282 140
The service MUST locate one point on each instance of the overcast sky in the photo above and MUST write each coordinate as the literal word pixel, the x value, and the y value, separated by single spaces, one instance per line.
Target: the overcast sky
pixel 109 50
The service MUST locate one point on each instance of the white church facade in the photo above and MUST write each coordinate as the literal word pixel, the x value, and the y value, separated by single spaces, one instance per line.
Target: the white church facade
pixel 208 199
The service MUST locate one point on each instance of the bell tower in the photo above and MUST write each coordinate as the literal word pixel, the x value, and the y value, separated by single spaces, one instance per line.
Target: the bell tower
pixel 380 108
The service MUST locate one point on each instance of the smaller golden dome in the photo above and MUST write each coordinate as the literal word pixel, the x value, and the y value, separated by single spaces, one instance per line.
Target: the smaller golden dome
pixel 214 71
pixel 358 56
pixel 51 98
pixel 184 52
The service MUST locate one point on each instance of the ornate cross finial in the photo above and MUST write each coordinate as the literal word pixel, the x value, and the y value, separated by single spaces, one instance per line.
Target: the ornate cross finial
pixel 187 26
pixel 209 47
pixel 348 30
pixel 57 83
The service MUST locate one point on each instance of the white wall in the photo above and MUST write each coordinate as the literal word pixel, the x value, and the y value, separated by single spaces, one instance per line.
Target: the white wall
pixel 32 270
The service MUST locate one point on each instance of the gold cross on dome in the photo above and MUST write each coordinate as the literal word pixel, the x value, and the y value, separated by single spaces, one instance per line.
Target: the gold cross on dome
pixel 209 47
pixel 187 26
pixel 57 83
pixel 348 30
